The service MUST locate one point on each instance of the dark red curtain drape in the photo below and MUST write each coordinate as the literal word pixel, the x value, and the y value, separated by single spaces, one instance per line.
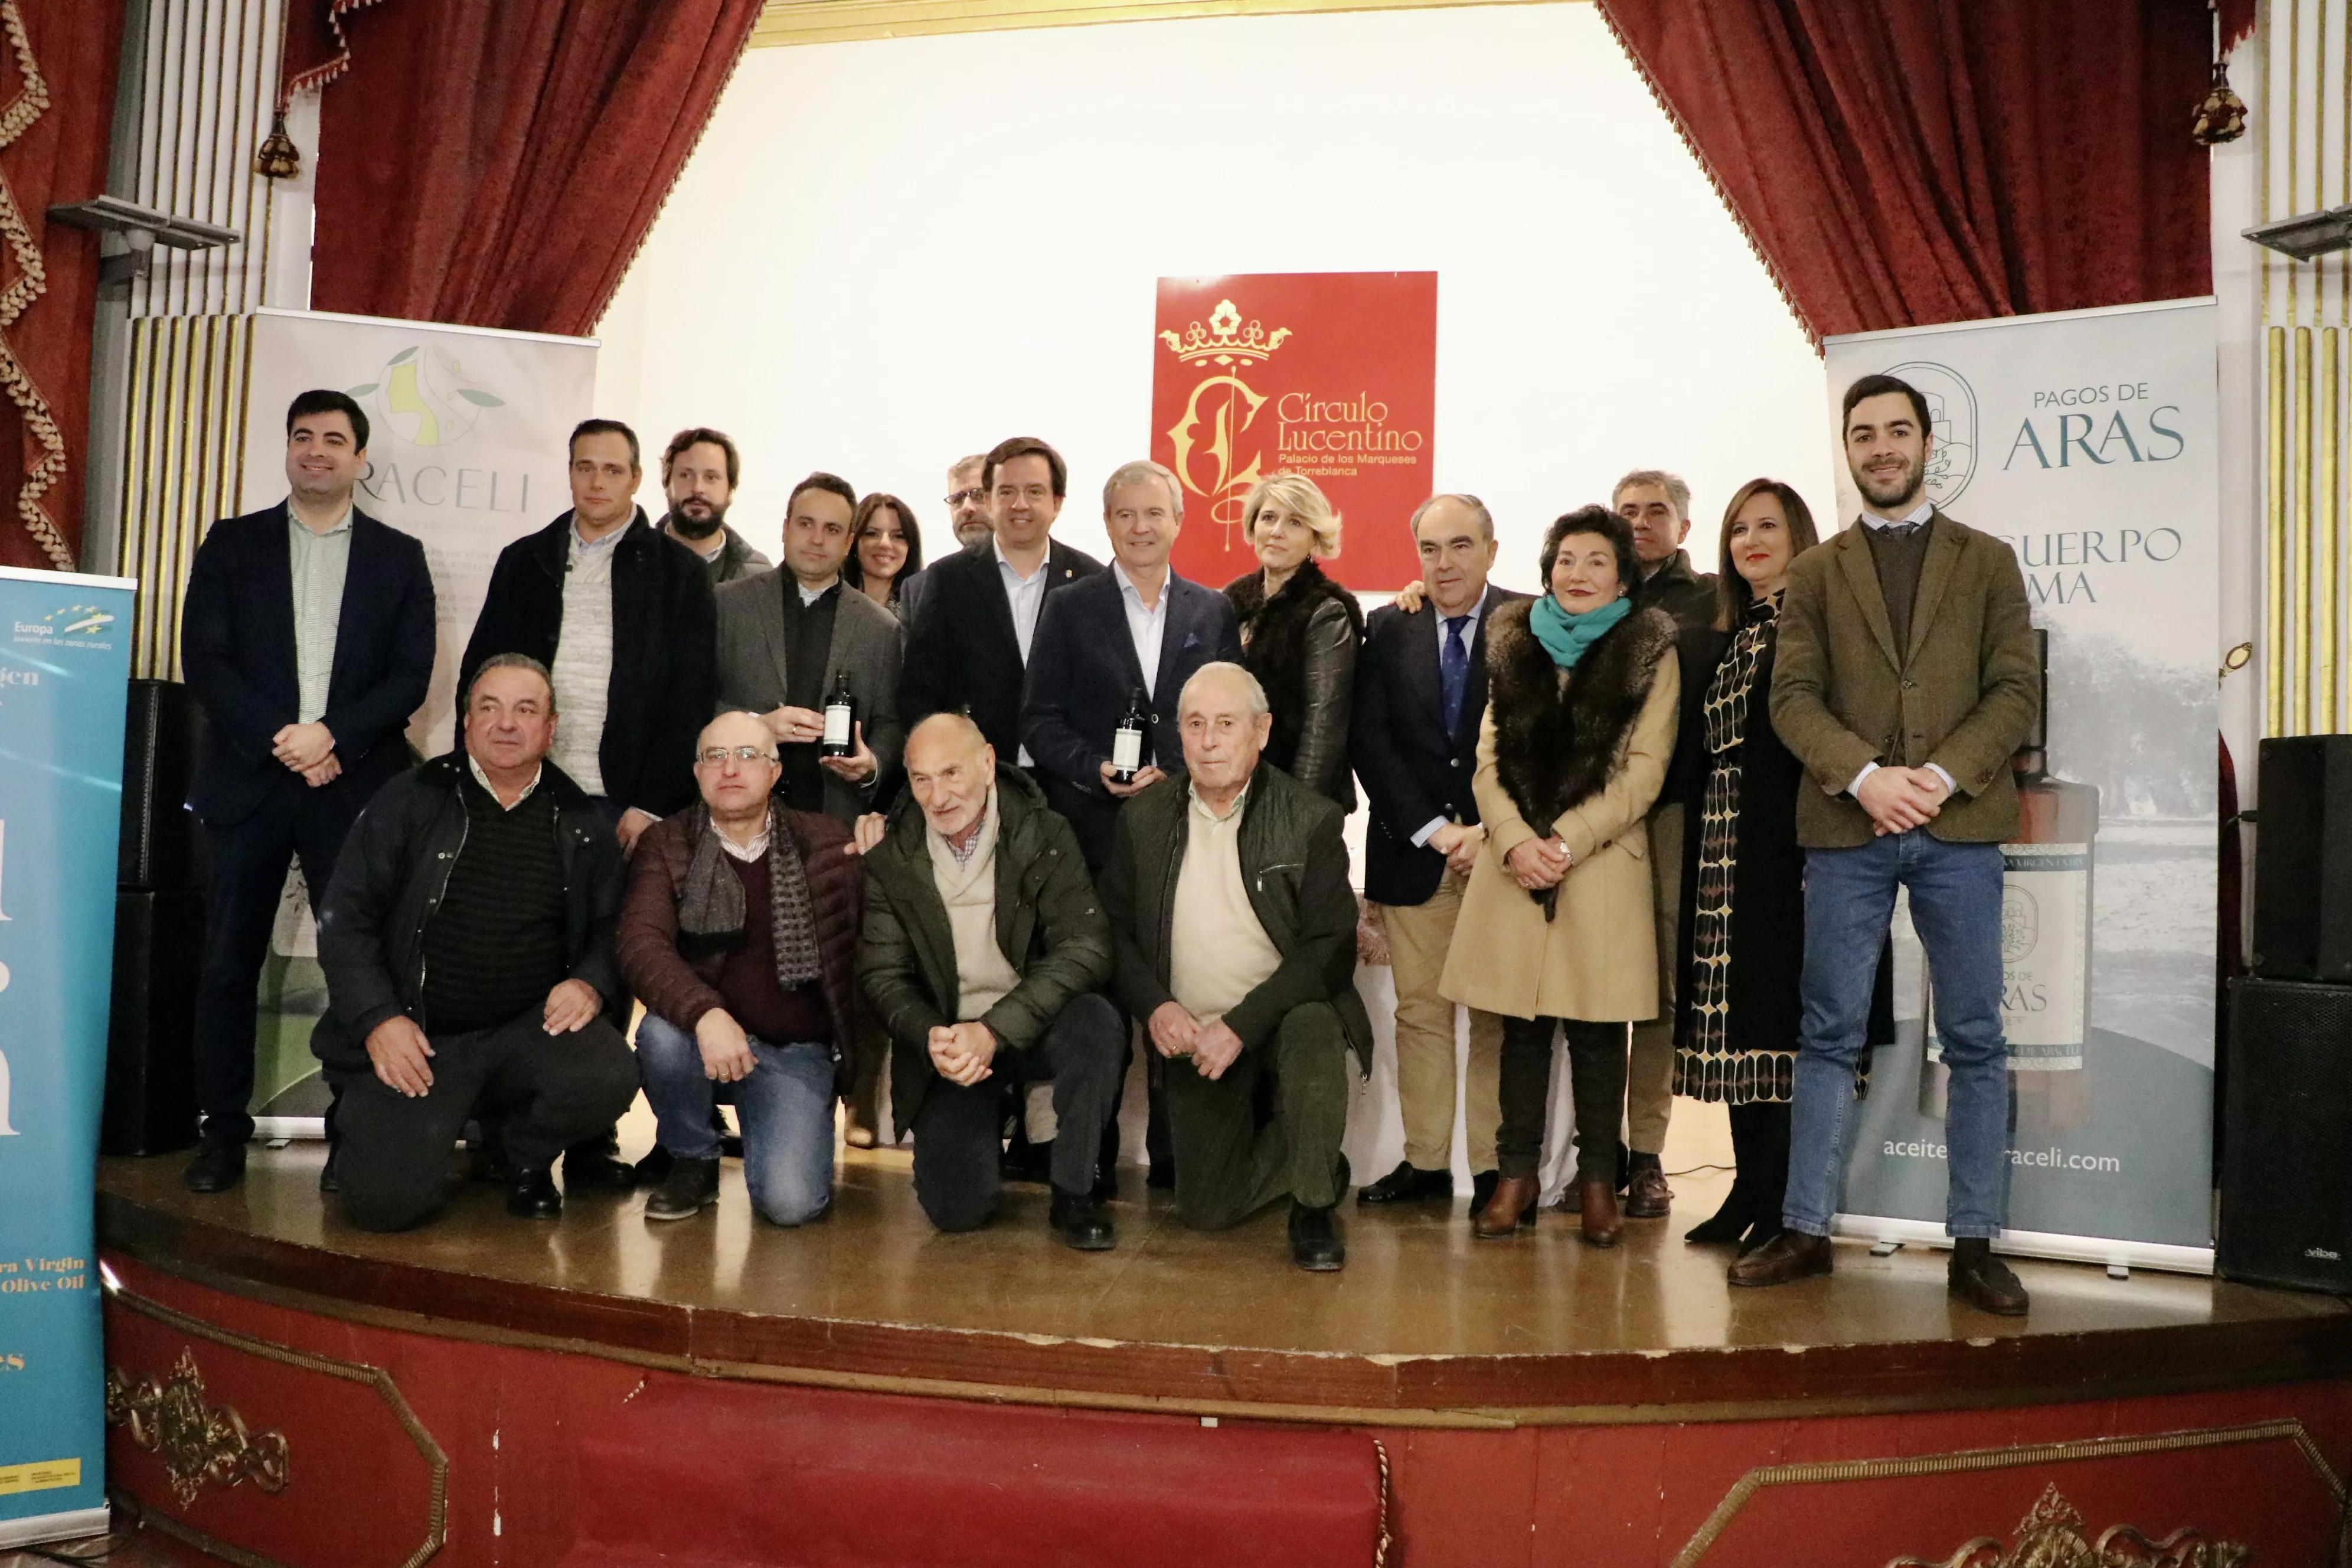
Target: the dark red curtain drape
pixel 497 162
pixel 56 109
pixel 1945 160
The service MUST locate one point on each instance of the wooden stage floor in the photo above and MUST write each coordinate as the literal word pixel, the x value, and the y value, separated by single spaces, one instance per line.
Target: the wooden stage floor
pixel 1424 1324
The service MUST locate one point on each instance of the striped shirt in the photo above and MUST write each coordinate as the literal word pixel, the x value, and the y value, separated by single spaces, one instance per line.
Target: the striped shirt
pixel 583 660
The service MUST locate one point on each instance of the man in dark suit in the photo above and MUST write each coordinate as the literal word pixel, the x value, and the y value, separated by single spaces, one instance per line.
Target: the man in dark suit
pixel 1136 630
pixel 620 615
pixel 970 639
pixel 1421 691
pixel 789 639
pixel 307 635
pixel 1905 677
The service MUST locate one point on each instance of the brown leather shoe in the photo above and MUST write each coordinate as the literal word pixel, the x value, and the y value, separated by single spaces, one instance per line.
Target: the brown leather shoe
pixel 1984 1281
pixel 1602 1222
pixel 1647 1196
pixel 1511 1210
pixel 1787 1257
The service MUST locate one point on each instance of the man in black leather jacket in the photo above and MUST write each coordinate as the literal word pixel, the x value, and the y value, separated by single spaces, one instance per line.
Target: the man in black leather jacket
pixel 468 943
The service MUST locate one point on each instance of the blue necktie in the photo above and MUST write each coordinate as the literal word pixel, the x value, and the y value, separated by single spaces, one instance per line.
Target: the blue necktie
pixel 1454 671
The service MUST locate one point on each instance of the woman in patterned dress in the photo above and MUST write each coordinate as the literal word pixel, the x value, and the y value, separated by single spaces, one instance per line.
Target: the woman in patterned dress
pixel 1743 898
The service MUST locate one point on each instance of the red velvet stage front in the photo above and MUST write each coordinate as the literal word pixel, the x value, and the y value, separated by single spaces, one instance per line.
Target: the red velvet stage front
pixel 600 1391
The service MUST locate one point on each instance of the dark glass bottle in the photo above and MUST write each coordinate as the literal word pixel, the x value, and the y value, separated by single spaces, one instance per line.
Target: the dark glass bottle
pixel 1127 741
pixel 840 708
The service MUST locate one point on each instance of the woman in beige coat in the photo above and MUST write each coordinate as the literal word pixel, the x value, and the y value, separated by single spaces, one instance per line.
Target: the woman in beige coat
pixel 1554 929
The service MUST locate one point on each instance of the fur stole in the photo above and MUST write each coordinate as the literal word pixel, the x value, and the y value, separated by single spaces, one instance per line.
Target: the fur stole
pixel 1556 742
pixel 1273 642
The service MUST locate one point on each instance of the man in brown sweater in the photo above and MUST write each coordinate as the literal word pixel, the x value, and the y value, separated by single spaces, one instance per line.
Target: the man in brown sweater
pixel 740 933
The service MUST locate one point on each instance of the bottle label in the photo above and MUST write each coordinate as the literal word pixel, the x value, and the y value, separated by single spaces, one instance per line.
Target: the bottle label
pixel 2045 943
pixel 1127 750
pixel 836 724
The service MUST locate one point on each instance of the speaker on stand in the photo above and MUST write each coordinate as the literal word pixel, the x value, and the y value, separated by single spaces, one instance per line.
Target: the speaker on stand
pixel 159 930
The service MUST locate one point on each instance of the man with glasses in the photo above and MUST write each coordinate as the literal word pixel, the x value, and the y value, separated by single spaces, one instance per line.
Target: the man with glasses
pixel 740 933
pixel 967 500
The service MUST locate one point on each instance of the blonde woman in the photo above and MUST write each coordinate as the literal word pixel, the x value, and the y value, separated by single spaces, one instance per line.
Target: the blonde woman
pixel 1300 632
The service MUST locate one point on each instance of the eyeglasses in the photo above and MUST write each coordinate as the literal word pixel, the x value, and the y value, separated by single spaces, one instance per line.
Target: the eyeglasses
pixel 717 756
pixel 977 492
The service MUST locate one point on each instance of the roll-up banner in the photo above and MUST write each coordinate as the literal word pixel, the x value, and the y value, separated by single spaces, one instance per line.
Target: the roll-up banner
pixel 65 675
pixel 2086 440
pixel 468 450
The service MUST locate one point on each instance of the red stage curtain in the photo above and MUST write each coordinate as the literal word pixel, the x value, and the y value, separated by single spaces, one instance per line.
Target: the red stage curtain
pixel 1945 160
pixel 56 110
pixel 496 163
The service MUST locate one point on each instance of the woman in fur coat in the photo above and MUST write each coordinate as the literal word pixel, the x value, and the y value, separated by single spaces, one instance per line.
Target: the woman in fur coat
pixel 1556 929
pixel 1300 632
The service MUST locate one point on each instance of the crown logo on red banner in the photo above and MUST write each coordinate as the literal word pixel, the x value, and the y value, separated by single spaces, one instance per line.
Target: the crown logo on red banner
pixel 1226 340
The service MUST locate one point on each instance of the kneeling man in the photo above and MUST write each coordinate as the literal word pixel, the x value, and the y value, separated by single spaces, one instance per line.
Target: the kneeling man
pixel 985 946
pixel 468 942
pixel 1228 892
pixel 740 933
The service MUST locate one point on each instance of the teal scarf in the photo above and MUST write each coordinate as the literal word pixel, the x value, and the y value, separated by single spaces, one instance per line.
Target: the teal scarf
pixel 1566 637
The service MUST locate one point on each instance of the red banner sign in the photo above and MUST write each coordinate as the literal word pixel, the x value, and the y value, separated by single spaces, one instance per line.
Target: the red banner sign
pixel 1328 374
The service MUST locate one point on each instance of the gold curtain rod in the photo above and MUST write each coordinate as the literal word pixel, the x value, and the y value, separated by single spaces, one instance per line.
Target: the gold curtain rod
pixel 786 22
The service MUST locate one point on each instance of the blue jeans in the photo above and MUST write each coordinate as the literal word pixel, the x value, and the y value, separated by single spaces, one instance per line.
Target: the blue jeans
pixel 785 1106
pixel 1956 892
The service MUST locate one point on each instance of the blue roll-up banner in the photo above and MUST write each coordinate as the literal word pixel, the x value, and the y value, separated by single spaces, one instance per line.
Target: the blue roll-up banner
pixel 65 673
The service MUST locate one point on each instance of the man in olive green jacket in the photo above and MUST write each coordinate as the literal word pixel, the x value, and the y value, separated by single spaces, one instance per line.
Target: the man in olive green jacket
pixel 984 953
pixel 1906 677
pixel 1229 900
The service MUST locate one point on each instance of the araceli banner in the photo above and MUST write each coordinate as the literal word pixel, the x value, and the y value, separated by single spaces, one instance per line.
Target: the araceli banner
pixel 2087 440
pixel 65 677
pixel 1328 374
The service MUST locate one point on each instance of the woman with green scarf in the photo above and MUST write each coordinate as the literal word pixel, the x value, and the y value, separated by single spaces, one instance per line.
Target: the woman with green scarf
pixel 1556 931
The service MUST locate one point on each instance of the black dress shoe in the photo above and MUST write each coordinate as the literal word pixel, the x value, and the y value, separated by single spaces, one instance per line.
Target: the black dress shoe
pixel 587 1168
pixel 1730 1223
pixel 1408 1184
pixel 1315 1243
pixel 1106 1187
pixel 533 1195
pixel 691 1186
pixel 1027 1162
pixel 1160 1175
pixel 218 1165
pixel 1482 1189
pixel 1984 1281
pixel 1080 1222
pixel 327 1181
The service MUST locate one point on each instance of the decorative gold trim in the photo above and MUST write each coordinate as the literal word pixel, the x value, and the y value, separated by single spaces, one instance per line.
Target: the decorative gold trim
pixel 2274 602
pixel 32 282
pixel 1974 1459
pixel 201 1445
pixel 436 1461
pixel 2051 1536
pixel 2298 721
pixel 786 22
pixel 2326 633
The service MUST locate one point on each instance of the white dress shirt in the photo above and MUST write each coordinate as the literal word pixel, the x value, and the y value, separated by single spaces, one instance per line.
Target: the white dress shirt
pixel 583 675
pixel 1027 595
pixel 1915 518
pixel 1146 627
pixel 319 562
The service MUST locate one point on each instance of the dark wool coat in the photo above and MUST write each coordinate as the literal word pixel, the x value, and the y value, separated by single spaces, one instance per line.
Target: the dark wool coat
pixel 1302 646
pixel 1583 757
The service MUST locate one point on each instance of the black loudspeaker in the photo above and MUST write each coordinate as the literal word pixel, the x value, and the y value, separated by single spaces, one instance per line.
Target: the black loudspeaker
pixel 150 1067
pixel 162 847
pixel 2287 1163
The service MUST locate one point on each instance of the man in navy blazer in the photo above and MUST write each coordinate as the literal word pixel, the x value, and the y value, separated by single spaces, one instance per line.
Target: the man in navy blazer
pixel 1136 628
pixel 1421 691
pixel 308 638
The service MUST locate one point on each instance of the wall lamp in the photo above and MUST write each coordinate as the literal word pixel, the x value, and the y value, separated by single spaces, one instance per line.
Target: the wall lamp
pixel 133 232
